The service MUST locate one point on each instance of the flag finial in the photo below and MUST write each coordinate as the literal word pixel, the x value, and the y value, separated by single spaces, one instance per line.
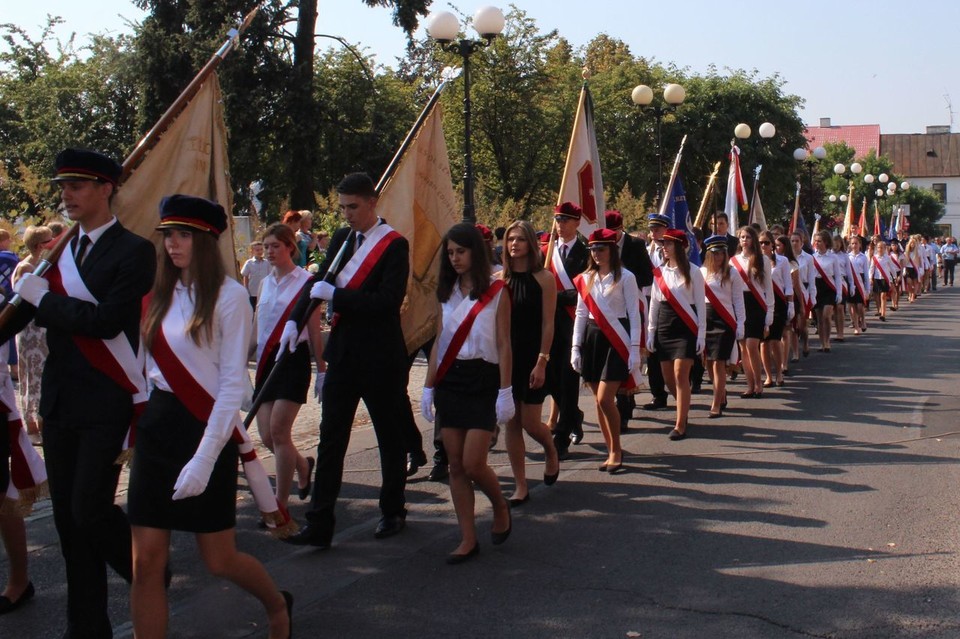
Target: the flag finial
pixel 585 73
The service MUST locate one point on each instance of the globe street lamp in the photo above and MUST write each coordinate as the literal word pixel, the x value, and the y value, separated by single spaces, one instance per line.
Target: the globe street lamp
pixel 444 27
pixel 673 96
pixel 810 160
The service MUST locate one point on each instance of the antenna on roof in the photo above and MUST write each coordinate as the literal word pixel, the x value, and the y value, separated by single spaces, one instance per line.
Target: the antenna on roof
pixel 946 96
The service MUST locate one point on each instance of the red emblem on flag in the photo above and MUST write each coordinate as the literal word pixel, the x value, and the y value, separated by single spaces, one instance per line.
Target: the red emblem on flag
pixel 588 200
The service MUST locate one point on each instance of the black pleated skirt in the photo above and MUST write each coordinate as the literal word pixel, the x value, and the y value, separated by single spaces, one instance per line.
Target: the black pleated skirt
pixel 755 319
pixel 673 339
pixel 466 397
pixel 600 361
pixel 293 381
pixel 826 296
pixel 720 337
pixel 167 437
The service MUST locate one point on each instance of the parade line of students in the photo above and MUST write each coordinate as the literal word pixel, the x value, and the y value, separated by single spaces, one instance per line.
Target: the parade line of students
pixel 149 349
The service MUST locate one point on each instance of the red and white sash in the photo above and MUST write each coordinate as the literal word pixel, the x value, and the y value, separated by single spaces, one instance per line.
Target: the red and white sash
pixel 824 276
pixel 896 262
pixel 882 271
pixel 608 324
pixel 680 307
pixel 461 321
pixel 748 281
pixel 361 263
pixel 293 293
pixel 113 357
pixel 564 283
pixel 196 386
pixel 858 282
pixel 28 475
pixel 726 314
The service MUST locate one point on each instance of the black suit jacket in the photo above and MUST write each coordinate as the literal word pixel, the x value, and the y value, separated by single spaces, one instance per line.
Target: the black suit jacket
pixel 367 333
pixel 636 259
pixel 575 264
pixel 118 270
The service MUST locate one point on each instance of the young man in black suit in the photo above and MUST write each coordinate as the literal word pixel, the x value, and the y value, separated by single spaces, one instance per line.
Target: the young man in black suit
pixel 365 354
pixel 570 252
pixel 91 299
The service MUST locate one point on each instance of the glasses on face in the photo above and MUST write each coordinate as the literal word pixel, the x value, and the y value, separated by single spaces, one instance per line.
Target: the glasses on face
pixel 765 242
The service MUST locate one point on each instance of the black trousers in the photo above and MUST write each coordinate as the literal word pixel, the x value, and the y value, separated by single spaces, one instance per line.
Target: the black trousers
pixel 658 387
pixel 93 530
pixel 564 388
pixel 384 393
pixel 948 267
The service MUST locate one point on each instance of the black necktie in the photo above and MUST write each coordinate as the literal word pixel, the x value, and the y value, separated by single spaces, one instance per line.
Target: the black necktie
pixel 563 251
pixel 359 240
pixel 82 249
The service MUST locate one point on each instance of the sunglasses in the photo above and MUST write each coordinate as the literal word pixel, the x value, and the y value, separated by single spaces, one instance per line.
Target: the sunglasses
pixel 765 243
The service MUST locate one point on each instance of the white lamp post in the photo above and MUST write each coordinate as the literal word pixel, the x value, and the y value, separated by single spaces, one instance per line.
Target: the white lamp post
pixel 673 97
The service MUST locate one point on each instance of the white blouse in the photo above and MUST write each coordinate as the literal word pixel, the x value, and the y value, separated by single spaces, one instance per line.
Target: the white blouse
pixel 832 268
pixel 808 276
pixel 729 293
pixel 765 287
pixel 781 275
pixel 226 353
pixel 860 264
pixel 886 265
pixel 274 297
pixel 481 341
pixel 692 295
pixel 622 298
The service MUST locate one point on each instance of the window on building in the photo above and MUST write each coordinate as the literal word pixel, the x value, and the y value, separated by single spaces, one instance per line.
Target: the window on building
pixel 940 189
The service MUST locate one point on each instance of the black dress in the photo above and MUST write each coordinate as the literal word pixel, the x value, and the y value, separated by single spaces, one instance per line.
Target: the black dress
pixel 526 316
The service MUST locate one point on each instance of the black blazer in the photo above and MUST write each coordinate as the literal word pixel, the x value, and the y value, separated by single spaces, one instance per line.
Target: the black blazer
pixel 636 259
pixel 367 334
pixel 118 270
pixel 575 264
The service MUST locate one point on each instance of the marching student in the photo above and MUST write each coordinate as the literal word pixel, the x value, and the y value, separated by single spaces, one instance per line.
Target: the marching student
pixel 860 291
pixel 658 226
pixel 771 347
pixel 791 343
pixel 725 316
pixel 196 330
pixel 881 276
pixel 829 282
pixel 533 293
pixel 897 281
pixel 839 249
pixel 912 262
pixel 607 335
pixel 677 326
pixel 468 379
pixel 807 276
pixel 755 272
pixel 278 293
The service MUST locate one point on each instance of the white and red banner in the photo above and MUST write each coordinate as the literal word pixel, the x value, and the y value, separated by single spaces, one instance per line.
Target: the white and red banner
pixel 736 192
pixel 581 181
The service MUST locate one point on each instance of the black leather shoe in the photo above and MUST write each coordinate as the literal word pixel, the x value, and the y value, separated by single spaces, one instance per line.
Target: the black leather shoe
pixel 657 404
pixel 311 535
pixel 415 461
pixel 439 472
pixel 304 493
pixel 576 435
pixel 497 538
pixel 9 606
pixel 390 526
pixel 454 559
pixel 563 454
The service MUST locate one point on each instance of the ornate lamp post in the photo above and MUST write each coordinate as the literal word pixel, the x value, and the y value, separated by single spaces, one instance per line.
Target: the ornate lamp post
pixel 444 27
pixel 673 96
pixel 810 161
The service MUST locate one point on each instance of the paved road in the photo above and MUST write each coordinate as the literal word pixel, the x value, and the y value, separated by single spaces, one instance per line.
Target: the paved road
pixel 825 509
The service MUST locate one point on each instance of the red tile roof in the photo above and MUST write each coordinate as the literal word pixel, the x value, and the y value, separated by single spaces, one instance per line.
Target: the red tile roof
pixel 861 137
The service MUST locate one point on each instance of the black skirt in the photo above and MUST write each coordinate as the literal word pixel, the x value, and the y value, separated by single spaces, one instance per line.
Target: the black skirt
pixel 293 380
pixel 755 317
pixel 167 437
pixel 720 337
pixel 910 273
pixel 600 361
pixel 673 338
pixel 466 397
pixel 779 319
pixel 826 296
pixel 881 286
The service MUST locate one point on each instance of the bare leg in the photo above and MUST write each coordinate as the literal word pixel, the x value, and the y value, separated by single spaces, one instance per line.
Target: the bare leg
pixel 719 384
pixel 14 535
pixel 467 450
pixel 607 405
pixel 148 596
pixel 516 452
pixel 219 553
pixel 750 354
pixel 289 459
pixel 767 361
pixel 681 373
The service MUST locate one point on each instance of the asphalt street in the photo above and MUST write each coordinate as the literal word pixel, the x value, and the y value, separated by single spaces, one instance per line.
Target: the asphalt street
pixel 825 509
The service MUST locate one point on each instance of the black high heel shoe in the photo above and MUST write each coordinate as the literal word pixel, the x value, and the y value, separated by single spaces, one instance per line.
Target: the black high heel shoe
pixel 497 538
pixel 454 559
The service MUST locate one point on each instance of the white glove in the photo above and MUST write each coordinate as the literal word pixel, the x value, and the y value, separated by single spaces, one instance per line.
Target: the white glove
pixel 740 332
pixel 32 288
pixel 318 385
pixel 195 475
pixel 791 311
pixel 289 338
pixel 575 359
pixel 701 344
pixel 505 406
pixel 633 364
pixel 322 291
pixel 426 404
pixel 839 298
pixel 650 347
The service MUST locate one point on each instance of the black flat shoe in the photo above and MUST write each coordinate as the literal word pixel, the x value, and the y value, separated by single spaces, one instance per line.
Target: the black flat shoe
pixel 550 480
pixel 780 384
pixel 713 415
pixel 304 493
pixel 768 384
pixel 655 405
pixel 415 461
pixel 603 467
pixel 746 395
pixel 439 472
pixel 9 606
pixel 615 469
pixel 310 535
pixel 289 599
pixel 676 435
pixel 516 503
pixel 453 559
pixel 497 538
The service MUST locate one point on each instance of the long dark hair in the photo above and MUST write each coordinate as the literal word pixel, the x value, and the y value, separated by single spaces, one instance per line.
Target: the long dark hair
pixel 616 266
pixel 206 275
pixel 467 236
pixel 787 248
pixel 680 259
pixel 534 258
pixel 756 258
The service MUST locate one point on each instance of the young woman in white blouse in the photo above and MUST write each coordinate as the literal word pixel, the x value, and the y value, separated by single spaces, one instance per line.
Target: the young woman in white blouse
pixel 808 289
pixel 184 475
pixel 470 373
pixel 725 316
pixel 278 293
pixel 755 272
pixel 829 282
pixel 677 328
pixel 860 291
pixel 881 276
pixel 606 335
pixel 896 282
pixel 839 250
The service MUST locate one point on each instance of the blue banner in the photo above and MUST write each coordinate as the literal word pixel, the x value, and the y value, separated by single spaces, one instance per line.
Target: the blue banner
pixel 679 213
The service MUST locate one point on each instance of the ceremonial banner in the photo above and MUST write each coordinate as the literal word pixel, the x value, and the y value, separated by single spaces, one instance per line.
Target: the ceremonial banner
pixel 862 224
pixel 419 202
pixel 679 212
pixel 581 181
pixel 756 212
pixel 848 218
pixel 736 192
pixel 796 212
pixel 190 158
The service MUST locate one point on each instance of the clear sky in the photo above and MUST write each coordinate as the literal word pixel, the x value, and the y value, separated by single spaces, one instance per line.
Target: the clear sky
pixel 855 61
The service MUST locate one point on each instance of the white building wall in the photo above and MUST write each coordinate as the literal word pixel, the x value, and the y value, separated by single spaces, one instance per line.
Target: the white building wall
pixel 951 216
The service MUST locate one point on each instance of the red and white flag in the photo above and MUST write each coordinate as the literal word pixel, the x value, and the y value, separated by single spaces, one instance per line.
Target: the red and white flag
pixel 581 175
pixel 736 191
